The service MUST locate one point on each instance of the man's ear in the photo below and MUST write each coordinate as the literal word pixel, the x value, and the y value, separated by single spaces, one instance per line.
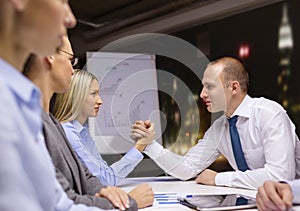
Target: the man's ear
pixel 19 4
pixel 49 60
pixel 235 87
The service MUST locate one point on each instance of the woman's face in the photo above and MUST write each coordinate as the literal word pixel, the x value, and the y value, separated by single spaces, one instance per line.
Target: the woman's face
pixel 62 69
pixel 42 24
pixel 92 101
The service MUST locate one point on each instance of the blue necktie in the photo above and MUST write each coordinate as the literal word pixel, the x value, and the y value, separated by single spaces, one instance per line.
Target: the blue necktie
pixel 236 145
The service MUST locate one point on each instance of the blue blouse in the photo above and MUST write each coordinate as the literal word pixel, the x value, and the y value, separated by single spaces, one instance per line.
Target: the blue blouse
pixel 28 181
pixel 86 150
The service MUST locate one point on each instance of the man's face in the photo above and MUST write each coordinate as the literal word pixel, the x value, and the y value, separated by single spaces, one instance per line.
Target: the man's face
pixel 214 94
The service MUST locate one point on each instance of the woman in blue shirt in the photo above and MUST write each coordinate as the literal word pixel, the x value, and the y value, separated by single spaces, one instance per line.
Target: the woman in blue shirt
pixel 84 93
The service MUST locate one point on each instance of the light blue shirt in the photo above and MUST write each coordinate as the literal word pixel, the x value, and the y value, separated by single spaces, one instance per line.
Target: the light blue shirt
pixel 27 174
pixel 86 150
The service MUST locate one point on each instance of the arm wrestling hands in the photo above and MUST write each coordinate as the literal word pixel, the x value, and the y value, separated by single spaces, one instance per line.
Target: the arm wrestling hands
pixel 143 133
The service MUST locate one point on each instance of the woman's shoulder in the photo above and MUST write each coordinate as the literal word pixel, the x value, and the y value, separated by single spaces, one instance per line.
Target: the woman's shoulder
pixel 68 125
pixel 70 130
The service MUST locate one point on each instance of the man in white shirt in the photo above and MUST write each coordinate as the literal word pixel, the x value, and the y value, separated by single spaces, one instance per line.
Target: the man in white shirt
pixel 267 135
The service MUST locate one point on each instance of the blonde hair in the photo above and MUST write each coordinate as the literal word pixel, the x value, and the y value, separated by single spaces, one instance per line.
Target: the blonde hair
pixel 67 106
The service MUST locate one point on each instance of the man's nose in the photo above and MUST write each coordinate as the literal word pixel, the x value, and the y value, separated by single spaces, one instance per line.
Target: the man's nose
pixel 203 93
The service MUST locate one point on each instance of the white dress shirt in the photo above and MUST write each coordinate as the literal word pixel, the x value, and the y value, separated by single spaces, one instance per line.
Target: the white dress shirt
pixel 295 186
pixel 267 137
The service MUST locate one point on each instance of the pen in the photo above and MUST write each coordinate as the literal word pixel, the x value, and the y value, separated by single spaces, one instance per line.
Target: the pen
pixel 191 196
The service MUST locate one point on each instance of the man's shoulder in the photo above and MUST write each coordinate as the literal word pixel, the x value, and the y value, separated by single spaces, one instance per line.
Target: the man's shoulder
pixel 262 103
pixel 264 107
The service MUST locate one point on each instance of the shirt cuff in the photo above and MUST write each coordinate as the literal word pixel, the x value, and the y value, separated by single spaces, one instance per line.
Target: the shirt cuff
pixel 153 150
pixel 224 178
pixel 133 153
pixel 295 186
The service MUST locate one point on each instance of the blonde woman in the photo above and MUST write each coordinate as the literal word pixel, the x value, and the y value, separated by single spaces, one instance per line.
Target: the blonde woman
pixel 51 75
pixel 73 109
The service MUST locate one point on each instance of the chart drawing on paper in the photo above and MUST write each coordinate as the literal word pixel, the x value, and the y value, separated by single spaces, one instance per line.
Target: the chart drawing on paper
pixel 128 88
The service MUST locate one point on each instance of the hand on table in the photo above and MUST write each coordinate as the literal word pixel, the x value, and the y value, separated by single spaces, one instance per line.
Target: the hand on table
pixel 207 177
pixel 143 195
pixel 274 196
pixel 116 196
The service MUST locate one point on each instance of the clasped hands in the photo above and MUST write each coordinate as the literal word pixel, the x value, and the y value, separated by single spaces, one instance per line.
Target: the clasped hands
pixel 143 133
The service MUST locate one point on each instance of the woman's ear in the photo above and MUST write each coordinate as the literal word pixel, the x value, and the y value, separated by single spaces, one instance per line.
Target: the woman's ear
pixel 49 60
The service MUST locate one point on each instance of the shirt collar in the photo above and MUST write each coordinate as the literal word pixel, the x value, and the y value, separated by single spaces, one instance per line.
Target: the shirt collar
pixel 244 109
pixel 79 127
pixel 18 83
